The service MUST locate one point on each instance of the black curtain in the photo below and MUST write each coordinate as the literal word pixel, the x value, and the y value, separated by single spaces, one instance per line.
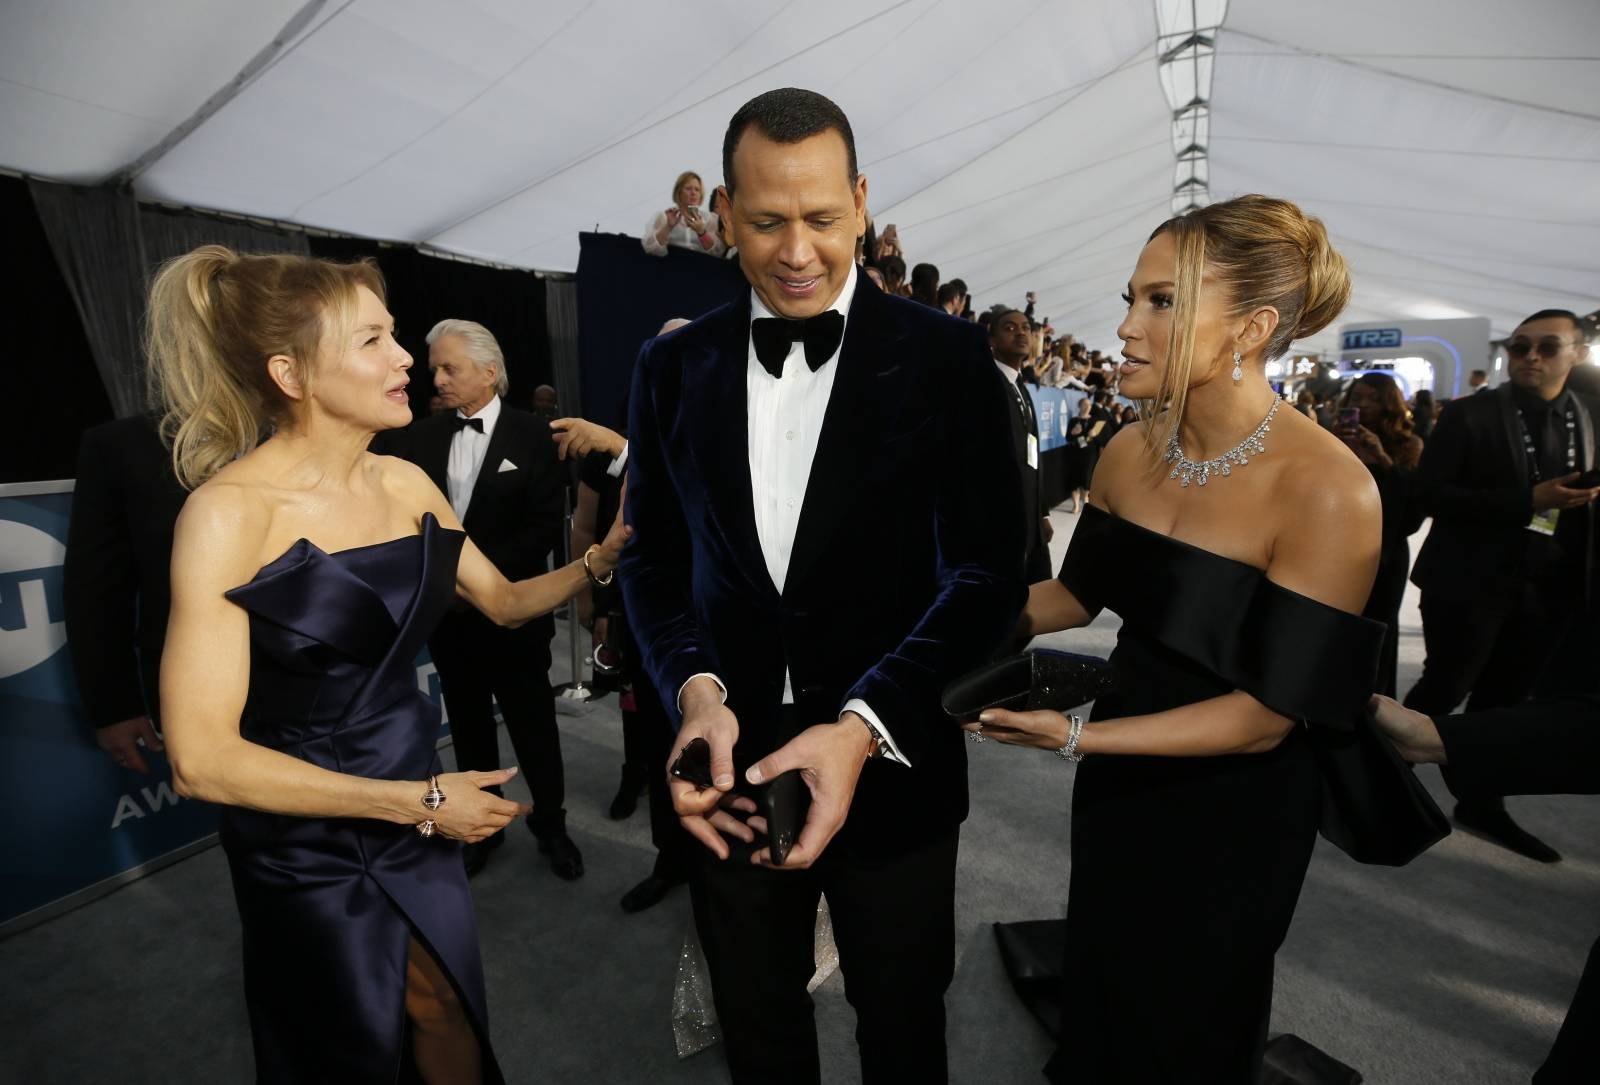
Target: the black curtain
pixel 167 232
pixel 624 296
pixel 52 384
pixel 561 313
pixel 94 233
pixel 424 290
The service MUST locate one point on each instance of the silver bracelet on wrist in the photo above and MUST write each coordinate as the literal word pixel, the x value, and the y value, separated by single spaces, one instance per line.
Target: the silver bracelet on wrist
pixel 433 798
pixel 1069 752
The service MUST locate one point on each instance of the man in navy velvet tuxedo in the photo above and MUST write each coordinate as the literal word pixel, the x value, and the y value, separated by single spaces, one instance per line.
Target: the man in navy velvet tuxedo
pixel 826 532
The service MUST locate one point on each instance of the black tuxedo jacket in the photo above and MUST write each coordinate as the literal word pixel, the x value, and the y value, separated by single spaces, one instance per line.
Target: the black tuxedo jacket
pixel 906 570
pixel 1474 482
pixel 515 516
pixel 116 579
pixel 1024 420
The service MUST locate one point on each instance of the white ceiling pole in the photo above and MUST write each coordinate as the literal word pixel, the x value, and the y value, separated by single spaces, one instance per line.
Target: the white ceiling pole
pixel 258 64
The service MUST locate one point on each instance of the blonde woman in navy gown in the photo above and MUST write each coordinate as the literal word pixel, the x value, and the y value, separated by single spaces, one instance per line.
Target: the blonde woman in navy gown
pixel 1238 543
pixel 306 574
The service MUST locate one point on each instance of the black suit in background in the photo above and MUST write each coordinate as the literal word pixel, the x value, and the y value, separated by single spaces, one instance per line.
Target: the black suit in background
pixel 1024 422
pixel 515 517
pixel 1497 597
pixel 1543 747
pixel 116 578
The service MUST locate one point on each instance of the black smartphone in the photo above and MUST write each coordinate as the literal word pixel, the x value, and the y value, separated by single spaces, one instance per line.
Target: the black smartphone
pixel 1586 481
pixel 694 764
pixel 785 804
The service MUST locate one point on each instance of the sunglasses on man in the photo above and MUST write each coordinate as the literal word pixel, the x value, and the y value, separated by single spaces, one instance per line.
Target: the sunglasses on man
pixel 1546 348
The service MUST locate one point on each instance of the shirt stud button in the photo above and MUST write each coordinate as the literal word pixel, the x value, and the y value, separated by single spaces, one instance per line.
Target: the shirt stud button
pixel 789 436
pixel 791 502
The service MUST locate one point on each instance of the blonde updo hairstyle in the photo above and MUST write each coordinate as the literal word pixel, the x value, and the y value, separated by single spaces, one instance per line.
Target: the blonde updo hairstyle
pixel 1263 252
pixel 214 320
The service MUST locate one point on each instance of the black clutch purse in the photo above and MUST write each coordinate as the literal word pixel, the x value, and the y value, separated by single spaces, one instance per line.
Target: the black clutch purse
pixel 1040 679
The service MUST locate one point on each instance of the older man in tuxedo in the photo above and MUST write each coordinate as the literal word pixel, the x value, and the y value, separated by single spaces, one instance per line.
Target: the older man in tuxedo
pixel 825 512
pixel 499 468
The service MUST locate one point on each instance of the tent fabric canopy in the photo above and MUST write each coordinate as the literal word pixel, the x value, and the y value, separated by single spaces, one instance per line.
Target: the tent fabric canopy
pixel 1451 146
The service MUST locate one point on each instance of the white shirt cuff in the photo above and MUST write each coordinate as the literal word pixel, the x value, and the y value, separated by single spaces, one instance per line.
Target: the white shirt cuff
pixel 859 707
pixel 616 468
pixel 701 674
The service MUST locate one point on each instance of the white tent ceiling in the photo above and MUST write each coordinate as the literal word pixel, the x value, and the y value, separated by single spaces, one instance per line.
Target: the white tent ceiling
pixel 1452 146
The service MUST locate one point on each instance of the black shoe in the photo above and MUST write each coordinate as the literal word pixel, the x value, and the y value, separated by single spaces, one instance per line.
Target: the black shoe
pixel 648 893
pixel 626 800
pixel 476 856
pixel 1495 825
pixel 565 858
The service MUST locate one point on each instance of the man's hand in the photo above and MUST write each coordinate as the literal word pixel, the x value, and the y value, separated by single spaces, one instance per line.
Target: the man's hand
pixel 829 758
pixel 576 437
pixel 1553 493
pixel 1414 735
pixel 121 742
pixel 703 813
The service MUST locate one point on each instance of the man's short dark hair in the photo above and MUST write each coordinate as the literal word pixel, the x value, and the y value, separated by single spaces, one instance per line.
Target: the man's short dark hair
pixel 999 313
pixel 787 115
pixel 960 285
pixel 948 292
pixel 925 279
pixel 1484 373
pixel 1559 314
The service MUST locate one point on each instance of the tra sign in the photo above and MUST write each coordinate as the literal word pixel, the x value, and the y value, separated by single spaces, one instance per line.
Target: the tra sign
pixel 1372 338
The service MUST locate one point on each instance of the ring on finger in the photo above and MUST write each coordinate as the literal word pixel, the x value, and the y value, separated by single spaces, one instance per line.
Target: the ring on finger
pixel 977 736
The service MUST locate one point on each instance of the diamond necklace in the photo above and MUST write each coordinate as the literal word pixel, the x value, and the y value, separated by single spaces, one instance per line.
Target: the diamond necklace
pixel 1185 469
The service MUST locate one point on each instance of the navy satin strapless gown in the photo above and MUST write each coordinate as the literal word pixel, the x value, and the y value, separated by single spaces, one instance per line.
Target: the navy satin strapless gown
pixel 327 904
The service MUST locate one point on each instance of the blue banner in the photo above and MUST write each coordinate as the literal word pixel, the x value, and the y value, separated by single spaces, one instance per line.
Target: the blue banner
pixel 77 824
pixel 1054 408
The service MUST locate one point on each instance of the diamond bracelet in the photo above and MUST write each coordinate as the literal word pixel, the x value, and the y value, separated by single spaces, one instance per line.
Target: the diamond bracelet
pixel 1069 752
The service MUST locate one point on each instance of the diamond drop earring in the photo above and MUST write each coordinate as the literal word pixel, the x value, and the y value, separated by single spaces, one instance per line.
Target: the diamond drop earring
pixel 1238 368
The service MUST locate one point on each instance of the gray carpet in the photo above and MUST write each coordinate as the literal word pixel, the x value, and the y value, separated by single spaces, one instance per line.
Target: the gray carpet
pixel 1456 969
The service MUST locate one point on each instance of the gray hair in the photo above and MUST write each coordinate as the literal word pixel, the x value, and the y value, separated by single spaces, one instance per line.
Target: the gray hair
pixel 481 347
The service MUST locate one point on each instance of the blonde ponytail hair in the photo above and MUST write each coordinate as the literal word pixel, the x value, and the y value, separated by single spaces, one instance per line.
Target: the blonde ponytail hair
pixel 213 321
pixel 1262 251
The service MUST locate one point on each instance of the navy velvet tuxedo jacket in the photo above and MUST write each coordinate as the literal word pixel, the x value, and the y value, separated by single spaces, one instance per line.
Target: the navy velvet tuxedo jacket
pixel 906 570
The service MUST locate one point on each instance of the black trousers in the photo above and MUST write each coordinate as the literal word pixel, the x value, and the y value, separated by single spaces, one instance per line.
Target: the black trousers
pixel 894 924
pixel 1492 660
pixel 1576 1054
pixel 647 736
pixel 480 662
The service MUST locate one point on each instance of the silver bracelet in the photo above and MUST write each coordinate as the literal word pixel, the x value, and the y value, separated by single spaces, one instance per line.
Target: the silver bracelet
pixel 1069 752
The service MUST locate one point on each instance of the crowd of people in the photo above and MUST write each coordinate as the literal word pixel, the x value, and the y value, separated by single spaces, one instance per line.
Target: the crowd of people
pixel 325 536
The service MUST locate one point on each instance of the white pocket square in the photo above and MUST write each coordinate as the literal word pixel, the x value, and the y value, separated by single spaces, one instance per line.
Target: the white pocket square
pixel 506 465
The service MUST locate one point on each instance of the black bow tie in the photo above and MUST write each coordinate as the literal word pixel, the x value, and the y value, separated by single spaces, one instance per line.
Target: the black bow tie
pixel 774 336
pixel 463 423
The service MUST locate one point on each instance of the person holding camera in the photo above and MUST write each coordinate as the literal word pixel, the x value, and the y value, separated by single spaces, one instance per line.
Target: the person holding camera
pixel 1508 571
pixel 684 224
pixel 1376 425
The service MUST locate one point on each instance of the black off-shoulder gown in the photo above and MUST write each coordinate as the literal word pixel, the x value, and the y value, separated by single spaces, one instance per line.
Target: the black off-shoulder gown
pixel 328 904
pixel 1186 871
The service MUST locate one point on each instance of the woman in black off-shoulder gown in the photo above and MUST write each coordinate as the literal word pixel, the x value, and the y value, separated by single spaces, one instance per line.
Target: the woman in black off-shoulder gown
pixel 1199 794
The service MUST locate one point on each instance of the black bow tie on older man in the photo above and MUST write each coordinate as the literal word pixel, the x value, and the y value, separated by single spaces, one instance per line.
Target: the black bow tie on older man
pixel 775 336
pixel 460 423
